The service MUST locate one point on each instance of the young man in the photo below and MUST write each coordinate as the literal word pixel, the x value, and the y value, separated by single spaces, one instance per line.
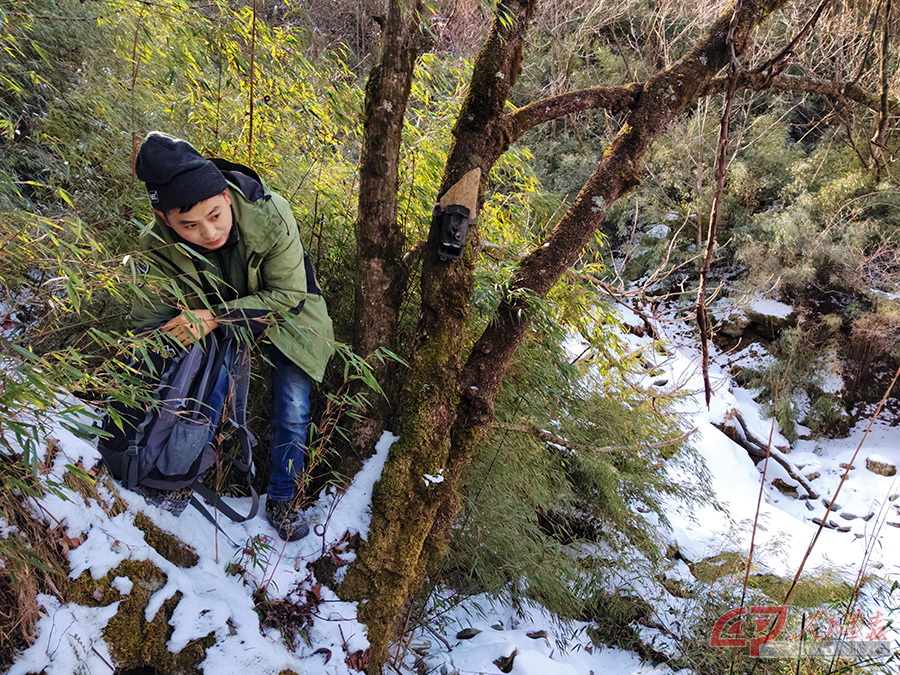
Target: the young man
pixel 232 249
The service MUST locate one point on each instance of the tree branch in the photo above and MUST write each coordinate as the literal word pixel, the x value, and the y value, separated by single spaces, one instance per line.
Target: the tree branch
pixel 619 98
pixel 838 91
pixel 757 449
pixel 613 99
pixel 379 235
pixel 703 322
pixel 777 62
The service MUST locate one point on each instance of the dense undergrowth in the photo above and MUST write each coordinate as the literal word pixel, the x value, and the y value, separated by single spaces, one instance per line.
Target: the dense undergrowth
pixel 805 219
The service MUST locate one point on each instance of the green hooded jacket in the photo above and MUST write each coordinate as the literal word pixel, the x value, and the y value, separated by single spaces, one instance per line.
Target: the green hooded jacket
pixel 282 296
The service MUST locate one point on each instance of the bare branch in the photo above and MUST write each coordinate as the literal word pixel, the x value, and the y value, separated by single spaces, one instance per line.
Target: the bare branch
pixel 619 98
pixel 721 174
pixel 777 62
pixel 838 91
pixel 878 142
pixel 757 449
pixel 613 99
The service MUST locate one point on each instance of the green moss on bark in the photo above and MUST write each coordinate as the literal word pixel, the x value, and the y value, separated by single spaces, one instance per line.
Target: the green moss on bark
pixel 389 567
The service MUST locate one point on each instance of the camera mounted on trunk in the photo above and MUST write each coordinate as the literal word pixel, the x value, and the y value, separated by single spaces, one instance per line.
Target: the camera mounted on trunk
pixel 456 211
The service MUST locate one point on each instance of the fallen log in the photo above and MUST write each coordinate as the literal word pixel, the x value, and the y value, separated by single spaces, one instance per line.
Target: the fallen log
pixel 757 449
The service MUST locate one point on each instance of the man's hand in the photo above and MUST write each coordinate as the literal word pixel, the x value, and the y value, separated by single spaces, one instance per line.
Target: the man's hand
pixel 186 330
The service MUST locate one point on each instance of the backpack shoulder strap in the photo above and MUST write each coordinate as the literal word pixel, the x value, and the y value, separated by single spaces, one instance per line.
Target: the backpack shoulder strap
pixel 239 384
pixel 215 499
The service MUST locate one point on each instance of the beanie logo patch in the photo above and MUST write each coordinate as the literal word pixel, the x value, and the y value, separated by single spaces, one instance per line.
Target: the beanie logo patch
pixel 154 196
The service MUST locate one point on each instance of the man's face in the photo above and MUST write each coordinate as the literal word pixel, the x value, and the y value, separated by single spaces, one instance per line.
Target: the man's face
pixel 206 225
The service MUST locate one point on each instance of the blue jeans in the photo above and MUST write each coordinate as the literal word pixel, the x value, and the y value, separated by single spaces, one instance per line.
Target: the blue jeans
pixel 290 420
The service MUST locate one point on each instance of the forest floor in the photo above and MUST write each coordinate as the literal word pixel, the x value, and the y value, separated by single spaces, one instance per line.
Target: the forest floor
pixel 252 631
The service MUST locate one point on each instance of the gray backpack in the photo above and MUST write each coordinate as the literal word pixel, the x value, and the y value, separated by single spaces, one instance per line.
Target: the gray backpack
pixel 170 445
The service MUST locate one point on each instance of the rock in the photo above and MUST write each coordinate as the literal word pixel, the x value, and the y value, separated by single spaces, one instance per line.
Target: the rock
pixel 505 663
pixel 658 231
pixel 868 517
pixel 894 524
pixel 893 498
pixel 826 502
pixel 770 317
pixel 844 465
pixel 843 528
pixel 880 465
pixel 537 634
pixel 813 475
pixel 136 642
pixel 167 545
pixel 848 516
pixel 733 325
pixel 786 489
pixel 810 506
pixel 830 524
pixel 467 633
pixel 420 647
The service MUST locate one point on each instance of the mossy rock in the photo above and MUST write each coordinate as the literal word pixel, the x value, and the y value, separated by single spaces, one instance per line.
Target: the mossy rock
pixel 710 570
pixel 167 545
pixel 133 641
pixel 770 325
pixel 811 591
pixel 675 587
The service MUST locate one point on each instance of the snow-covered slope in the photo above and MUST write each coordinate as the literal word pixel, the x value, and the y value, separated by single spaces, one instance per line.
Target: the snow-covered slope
pixel 215 596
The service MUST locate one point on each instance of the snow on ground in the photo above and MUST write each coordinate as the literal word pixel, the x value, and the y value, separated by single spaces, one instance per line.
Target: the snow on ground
pixel 787 526
pixel 475 639
pixel 69 637
pixel 769 307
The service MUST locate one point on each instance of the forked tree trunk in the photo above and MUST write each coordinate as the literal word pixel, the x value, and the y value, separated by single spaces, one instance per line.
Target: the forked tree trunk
pixel 388 569
pixel 448 395
pixel 663 98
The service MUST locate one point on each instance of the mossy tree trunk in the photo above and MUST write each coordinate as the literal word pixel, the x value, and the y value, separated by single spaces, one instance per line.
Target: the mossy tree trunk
pixel 380 241
pixel 448 394
pixel 390 567
pixel 661 99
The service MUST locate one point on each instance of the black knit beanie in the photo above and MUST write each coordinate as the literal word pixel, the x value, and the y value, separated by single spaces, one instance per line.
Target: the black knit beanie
pixel 175 173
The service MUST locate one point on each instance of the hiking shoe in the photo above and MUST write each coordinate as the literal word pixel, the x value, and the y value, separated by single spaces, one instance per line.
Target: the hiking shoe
pixel 285 519
pixel 174 501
